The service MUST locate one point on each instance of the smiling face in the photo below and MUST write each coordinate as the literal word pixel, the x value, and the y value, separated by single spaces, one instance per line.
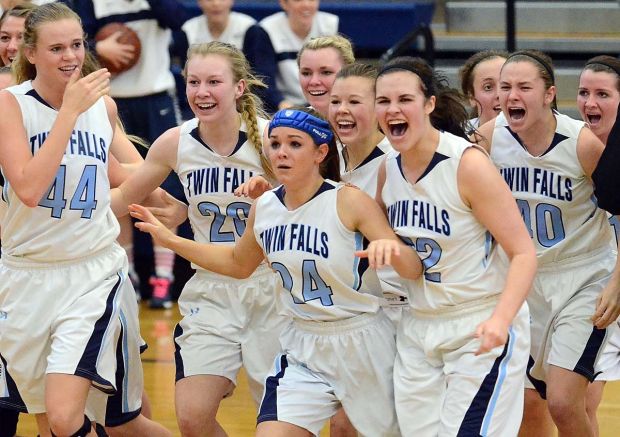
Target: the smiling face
pixel 352 110
pixel 59 51
pixel 317 72
pixel 402 109
pixel 598 99
pixel 486 88
pixel 523 97
pixel 300 13
pixel 217 11
pixel 211 90
pixel 11 37
pixel 294 156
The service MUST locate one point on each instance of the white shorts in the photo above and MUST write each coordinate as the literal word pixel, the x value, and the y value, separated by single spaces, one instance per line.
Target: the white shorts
pixel 126 403
pixel 562 302
pixel 443 389
pixel 609 361
pixel 326 365
pixel 228 323
pixel 59 318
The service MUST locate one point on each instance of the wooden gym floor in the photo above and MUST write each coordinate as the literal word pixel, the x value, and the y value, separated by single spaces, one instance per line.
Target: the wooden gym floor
pixel 237 414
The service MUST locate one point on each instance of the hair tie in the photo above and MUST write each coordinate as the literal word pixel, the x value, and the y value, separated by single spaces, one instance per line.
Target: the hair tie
pixel 538 59
pixel 605 64
pixel 318 129
pixel 410 68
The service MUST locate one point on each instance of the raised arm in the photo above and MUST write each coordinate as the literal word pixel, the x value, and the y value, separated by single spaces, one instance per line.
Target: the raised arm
pixel 158 164
pixel 482 187
pixel 360 212
pixel 238 261
pixel 31 175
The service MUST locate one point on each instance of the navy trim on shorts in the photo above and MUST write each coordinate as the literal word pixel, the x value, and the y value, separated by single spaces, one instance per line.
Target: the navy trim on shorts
pixel 585 365
pixel 363 264
pixel 178 358
pixel 539 385
pixel 14 401
pixel 269 406
pixel 484 401
pixel 114 414
pixel 87 366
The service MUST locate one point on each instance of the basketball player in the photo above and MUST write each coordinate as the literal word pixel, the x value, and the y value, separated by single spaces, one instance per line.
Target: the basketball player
pixel 12 31
pixel 338 347
pixel 85 315
pixel 319 60
pixel 480 83
pixel 44 346
pixel 226 323
pixel 462 347
pixel 598 98
pixel 547 160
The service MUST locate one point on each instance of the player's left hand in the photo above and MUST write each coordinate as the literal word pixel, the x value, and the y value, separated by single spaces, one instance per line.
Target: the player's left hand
pixel 492 333
pixel 380 253
pixel 161 234
pixel 168 210
pixel 253 187
pixel 607 305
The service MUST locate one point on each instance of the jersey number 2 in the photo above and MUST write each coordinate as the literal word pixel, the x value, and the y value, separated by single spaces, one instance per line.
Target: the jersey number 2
pixel 82 200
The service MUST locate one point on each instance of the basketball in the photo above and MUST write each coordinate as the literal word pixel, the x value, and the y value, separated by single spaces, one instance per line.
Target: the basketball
pixel 128 36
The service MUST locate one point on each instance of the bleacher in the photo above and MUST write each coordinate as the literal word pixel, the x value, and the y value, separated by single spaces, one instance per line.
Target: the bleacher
pixel 372 25
pixel 571 31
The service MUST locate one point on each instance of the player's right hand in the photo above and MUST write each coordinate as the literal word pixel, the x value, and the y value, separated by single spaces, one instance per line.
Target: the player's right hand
pixel 160 233
pixel 82 92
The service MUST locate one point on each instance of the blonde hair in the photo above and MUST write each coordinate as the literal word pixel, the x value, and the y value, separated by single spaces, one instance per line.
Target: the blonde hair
pixel 248 105
pixel 337 42
pixel 23 70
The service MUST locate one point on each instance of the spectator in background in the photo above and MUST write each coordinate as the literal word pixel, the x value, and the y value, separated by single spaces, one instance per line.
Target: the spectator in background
pixel 217 23
pixel 145 105
pixel 272 48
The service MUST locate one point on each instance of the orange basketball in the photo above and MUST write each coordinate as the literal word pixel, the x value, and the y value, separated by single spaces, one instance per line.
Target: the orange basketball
pixel 128 36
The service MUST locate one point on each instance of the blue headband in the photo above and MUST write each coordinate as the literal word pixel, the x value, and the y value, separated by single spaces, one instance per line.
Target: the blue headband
pixel 318 129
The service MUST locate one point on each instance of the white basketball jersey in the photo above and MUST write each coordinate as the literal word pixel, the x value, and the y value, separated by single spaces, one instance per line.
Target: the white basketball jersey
pixel 197 30
pixel 73 218
pixel 287 44
pixel 209 179
pixel 151 74
pixel 552 191
pixel 461 261
pixel 314 254
pixel 364 176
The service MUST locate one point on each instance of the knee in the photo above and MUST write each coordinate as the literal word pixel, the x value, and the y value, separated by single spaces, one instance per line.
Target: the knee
pixel 63 423
pixel 195 423
pixel 564 410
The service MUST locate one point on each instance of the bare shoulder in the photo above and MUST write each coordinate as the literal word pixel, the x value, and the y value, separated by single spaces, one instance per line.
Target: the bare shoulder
pixel 475 171
pixel 483 135
pixel 589 150
pixel 164 149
